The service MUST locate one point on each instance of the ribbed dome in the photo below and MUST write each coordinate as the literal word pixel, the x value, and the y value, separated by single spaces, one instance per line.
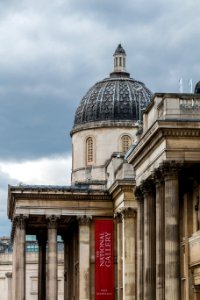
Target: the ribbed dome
pixel 117 98
pixel 197 88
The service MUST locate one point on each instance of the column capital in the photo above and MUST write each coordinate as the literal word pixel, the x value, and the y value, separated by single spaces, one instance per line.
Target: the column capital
pixel 170 169
pixel 9 274
pixel 52 221
pixel 128 212
pixel 157 176
pixel 84 220
pixel 118 217
pixel 147 186
pixel 20 221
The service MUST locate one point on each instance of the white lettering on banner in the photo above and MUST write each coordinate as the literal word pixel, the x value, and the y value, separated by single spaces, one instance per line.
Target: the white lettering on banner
pixel 105 249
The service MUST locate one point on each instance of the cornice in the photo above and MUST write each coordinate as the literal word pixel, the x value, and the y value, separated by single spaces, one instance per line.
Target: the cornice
pixel 104 124
pixel 160 130
pixel 17 193
pixel 121 186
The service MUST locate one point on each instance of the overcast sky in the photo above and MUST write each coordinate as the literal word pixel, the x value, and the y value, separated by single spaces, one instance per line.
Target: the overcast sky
pixel 51 52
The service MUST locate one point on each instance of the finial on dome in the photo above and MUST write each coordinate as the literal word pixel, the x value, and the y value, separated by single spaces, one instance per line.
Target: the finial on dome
pixel 119 59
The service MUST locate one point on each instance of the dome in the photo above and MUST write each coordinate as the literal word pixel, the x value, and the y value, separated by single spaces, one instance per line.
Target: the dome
pixel 116 98
pixel 197 88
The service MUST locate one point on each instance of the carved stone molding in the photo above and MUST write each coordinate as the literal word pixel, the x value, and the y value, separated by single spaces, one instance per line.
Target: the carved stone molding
pixel 84 220
pixel 52 221
pixel 129 212
pixel 118 217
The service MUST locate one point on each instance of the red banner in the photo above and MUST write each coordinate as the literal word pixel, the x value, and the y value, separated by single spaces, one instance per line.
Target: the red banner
pixel 104 260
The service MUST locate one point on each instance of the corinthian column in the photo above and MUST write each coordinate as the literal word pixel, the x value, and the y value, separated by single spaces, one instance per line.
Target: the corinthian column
pixel 84 257
pixel 160 233
pixel 172 255
pixel 19 257
pixel 52 288
pixel 149 241
pixel 140 242
pixel 129 253
pixel 118 218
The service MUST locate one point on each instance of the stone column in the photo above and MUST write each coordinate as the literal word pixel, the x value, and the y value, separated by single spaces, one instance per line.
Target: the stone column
pixel 84 257
pixel 160 236
pixel 118 217
pixel 19 256
pixel 52 286
pixel 9 276
pixel 41 266
pixel 149 241
pixel 172 252
pixel 140 242
pixel 129 253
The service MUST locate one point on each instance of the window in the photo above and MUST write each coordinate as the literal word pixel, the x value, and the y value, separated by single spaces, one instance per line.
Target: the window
pixel 125 143
pixel 89 150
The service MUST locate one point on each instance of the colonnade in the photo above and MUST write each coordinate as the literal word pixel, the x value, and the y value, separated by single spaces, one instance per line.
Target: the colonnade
pixel 158 260
pixel 47 261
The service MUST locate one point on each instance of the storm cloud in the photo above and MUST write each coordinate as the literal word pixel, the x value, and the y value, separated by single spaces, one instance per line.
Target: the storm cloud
pixel 51 52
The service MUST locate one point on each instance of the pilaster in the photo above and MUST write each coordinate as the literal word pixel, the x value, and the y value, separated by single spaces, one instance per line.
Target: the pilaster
pixel 9 278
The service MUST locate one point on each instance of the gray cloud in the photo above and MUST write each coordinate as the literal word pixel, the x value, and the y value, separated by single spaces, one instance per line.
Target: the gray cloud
pixel 52 52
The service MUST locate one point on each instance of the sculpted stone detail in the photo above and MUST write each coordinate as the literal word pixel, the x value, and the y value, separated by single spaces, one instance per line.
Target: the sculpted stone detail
pixel 148 187
pixel 20 221
pixel 158 176
pixel 170 169
pixel 52 221
pixel 84 220
pixel 118 217
pixel 129 212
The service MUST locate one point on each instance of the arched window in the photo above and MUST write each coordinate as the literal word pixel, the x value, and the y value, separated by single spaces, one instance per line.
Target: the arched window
pixel 125 143
pixel 89 150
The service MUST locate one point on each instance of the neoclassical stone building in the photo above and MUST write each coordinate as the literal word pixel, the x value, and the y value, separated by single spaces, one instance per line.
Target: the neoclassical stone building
pixel 130 221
